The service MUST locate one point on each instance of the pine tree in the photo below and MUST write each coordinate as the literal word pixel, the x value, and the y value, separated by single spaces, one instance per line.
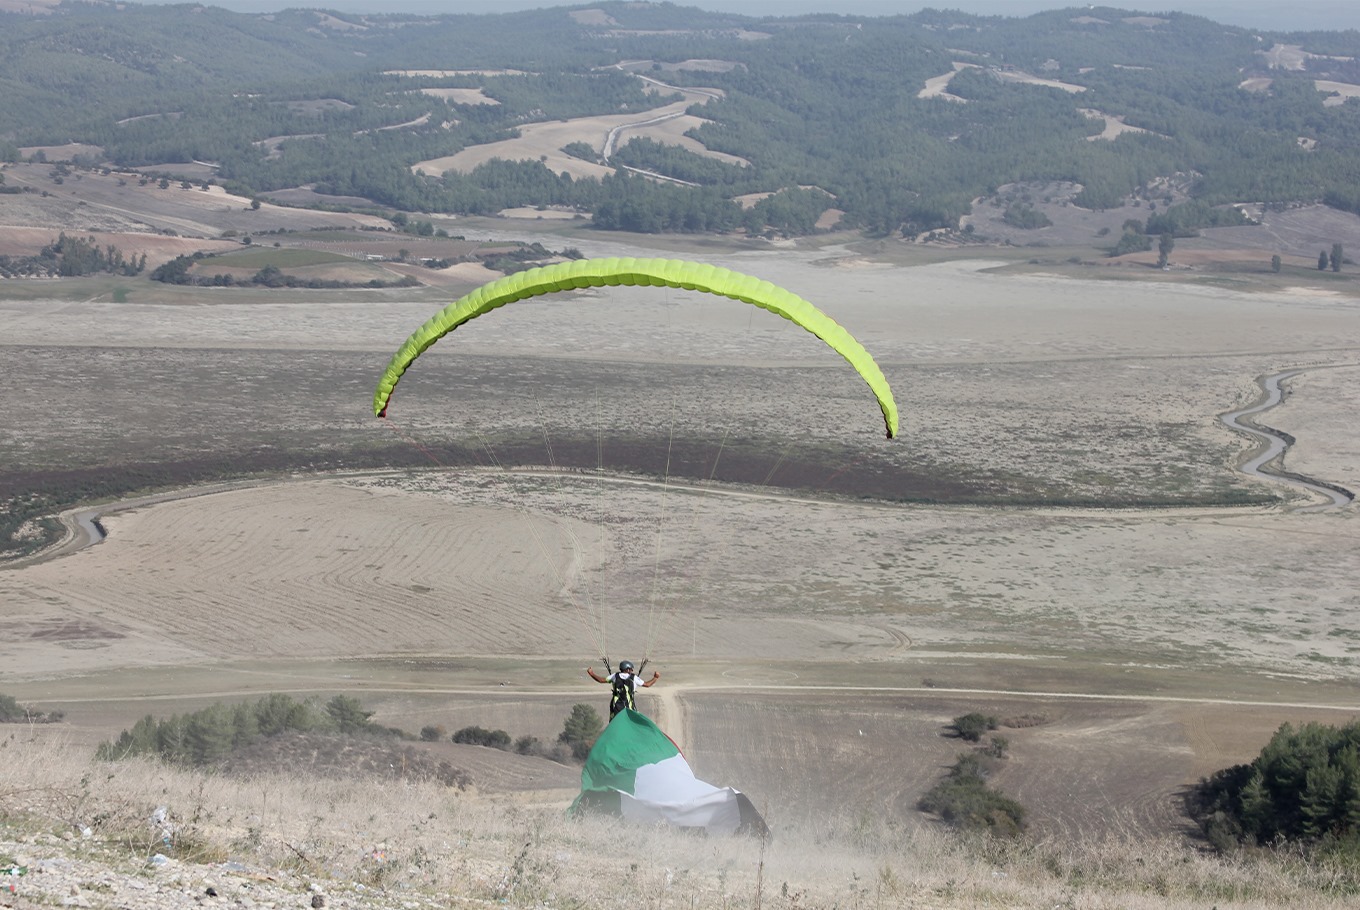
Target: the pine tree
pixel 208 735
pixel 1164 248
pixel 581 729
pixel 1320 800
pixel 348 714
pixel 1257 808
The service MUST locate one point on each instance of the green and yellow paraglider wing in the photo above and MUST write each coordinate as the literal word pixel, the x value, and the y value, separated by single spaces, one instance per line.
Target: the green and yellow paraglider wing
pixel 674 273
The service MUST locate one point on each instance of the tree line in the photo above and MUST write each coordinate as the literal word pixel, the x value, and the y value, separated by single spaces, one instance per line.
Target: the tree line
pixel 210 735
pixel 71 257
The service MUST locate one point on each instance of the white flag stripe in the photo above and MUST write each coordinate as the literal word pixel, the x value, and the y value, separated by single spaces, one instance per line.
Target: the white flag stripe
pixel 668 791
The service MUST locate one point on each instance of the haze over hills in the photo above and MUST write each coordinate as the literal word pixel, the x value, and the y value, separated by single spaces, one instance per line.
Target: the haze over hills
pixel 1300 16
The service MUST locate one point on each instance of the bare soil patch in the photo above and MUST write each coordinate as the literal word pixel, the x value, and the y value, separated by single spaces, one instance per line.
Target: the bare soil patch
pixel 548 213
pixel 440 73
pixel 694 65
pixel 593 17
pixel 305 196
pixel 461 95
pixel 64 152
pixel 938 86
pixel 537 140
pixel 1337 92
pixel 1113 126
pixel 274 144
pixel 1301 231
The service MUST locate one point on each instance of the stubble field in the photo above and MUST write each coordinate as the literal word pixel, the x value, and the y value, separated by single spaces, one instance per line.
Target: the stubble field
pixel 1149 613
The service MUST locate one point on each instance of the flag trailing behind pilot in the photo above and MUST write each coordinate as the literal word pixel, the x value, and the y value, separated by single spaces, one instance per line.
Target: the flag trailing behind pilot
pixel 636 771
pixel 625 682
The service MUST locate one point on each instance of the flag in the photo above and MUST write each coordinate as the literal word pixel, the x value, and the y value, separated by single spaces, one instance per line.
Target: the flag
pixel 636 771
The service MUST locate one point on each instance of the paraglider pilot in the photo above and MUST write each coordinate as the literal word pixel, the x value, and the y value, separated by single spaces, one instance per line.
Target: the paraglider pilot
pixel 625 682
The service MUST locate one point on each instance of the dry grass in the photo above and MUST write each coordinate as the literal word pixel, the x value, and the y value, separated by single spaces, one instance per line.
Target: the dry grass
pixel 420 843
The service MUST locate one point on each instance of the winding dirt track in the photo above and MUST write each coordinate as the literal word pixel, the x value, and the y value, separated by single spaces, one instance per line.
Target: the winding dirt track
pixel 1275 445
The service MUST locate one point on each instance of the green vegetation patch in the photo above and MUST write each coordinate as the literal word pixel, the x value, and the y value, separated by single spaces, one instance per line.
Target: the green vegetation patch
pixel 207 736
pixel 1304 788
pixel 11 712
pixel 964 800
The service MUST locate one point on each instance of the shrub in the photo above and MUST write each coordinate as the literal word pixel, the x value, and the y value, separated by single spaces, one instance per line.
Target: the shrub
pixel 349 716
pixel 971 726
pixel 11 712
pixel 583 726
pixel 1131 242
pixel 583 150
pixel 964 800
pixel 432 733
pixel 1026 217
pixel 479 736
pixel 1018 721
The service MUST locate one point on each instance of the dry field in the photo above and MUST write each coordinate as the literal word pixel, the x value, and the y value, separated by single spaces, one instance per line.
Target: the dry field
pixel 460 95
pixel 812 649
pixel 545 141
pixel 162 223
pixel 938 86
pixel 1113 127
pixel 1296 234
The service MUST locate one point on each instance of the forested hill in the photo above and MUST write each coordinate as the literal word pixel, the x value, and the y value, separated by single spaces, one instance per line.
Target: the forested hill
pixel 899 122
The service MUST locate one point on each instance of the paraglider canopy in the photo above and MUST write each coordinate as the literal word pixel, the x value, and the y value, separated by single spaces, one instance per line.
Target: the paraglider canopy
pixel 589 273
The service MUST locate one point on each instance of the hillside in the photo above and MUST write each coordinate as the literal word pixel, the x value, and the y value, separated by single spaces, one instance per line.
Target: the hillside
pixel 654 117
pixel 81 834
pixel 1116 524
